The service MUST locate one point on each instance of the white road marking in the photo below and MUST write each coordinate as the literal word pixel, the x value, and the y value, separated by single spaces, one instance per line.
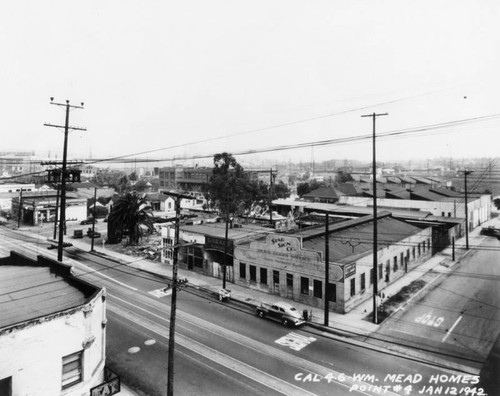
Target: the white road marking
pixel 295 341
pixel 194 321
pixel 99 273
pixel 161 292
pixel 452 327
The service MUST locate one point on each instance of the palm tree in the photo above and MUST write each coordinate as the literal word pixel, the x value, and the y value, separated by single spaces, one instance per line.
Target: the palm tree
pixel 129 216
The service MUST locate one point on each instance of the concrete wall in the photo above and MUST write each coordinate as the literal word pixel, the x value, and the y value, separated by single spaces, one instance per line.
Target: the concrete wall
pixel 35 351
pixel 413 251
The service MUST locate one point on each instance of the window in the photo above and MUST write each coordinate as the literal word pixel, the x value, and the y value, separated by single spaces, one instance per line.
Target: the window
pixel 428 244
pixel 395 267
pixel 413 252
pixel 387 271
pixel 276 277
pixel 363 281
pixel 253 273
pixel 289 280
pixel 401 259
pixel 263 276
pixel 317 286
pixel 419 249
pixel 353 286
pixel 72 369
pixel 371 277
pixel 243 271
pixel 380 271
pixel 332 292
pixel 304 285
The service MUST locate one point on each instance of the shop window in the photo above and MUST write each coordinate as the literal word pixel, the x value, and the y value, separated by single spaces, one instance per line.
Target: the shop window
pixel 332 292
pixel 304 285
pixel 263 276
pixel 253 273
pixel 243 271
pixel 363 282
pixel 353 286
pixel 276 277
pixel 72 370
pixel 317 288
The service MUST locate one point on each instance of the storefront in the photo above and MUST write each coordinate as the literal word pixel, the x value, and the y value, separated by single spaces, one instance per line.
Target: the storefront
pixel 293 266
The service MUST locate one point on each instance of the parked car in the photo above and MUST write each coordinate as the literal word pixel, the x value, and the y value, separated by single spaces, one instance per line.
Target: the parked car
pixel 90 220
pixel 491 231
pixel 282 312
pixel 95 234
pixel 77 234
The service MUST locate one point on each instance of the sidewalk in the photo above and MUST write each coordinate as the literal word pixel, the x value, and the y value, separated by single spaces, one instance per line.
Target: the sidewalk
pixel 355 323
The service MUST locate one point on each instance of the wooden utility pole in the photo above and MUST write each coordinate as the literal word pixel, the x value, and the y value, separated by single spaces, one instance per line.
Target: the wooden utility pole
pixel 175 284
pixel 62 220
pixel 466 172
pixel 327 275
pixel 375 248
pixel 93 219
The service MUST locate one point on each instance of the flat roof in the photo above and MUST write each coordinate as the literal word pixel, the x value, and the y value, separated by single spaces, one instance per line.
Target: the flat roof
pixel 219 230
pixel 31 291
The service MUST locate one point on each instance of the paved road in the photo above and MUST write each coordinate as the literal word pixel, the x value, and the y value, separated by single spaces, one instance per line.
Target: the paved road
pixel 224 349
pixel 459 315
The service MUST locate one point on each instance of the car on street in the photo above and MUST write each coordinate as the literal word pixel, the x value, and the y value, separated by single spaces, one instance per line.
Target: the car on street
pixel 490 231
pixel 93 234
pixel 282 312
pixel 90 220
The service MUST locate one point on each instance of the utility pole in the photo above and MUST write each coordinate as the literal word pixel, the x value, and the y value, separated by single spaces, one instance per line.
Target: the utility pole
pixel 375 248
pixel 224 260
pixel 93 219
pixel 56 218
pixel 327 268
pixel 175 284
pixel 270 195
pixel 62 220
pixel 466 172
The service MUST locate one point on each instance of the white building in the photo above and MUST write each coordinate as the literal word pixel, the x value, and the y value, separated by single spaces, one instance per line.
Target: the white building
pixel 52 329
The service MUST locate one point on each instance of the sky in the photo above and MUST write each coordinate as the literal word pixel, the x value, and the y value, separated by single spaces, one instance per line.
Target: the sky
pixel 168 80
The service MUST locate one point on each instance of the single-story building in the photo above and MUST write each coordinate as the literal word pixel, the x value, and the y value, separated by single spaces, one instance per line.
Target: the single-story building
pixel 293 265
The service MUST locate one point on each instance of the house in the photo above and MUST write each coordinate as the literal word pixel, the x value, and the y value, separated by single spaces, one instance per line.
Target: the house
pixel 323 194
pixel 52 329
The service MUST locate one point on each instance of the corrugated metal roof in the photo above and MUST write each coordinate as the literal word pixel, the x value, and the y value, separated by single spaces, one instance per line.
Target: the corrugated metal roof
pixel 352 243
pixel 30 292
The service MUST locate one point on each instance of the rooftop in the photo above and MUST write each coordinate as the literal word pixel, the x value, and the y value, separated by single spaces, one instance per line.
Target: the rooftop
pixel 354 239
pixel 32 289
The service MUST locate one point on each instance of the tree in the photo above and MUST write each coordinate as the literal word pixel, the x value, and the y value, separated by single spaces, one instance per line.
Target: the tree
pixel 281 190
pixel 130 215
pixel 229 188
pixel 305 188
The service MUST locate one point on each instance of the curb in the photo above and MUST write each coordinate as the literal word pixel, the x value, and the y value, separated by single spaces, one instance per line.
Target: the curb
pixel 346 336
